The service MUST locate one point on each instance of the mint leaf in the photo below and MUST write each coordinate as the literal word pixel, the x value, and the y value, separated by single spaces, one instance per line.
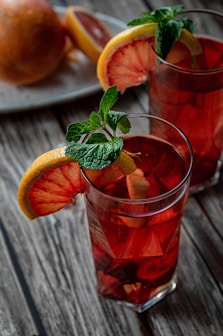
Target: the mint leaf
pixel 188 24
pixel 166 13
pixel 167 33
pixel 168 29
pixel 108 100
pixel 124 125
pixel 95 120
pixel 113 118
pixel 100 146
pixel 96 138
pixel 157 15
pixel 145 18
pixel 75 131
pixel 95 155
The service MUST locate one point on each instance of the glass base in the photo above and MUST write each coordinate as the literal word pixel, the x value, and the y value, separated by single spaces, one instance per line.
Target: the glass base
pixel 159 295
pixel 207 184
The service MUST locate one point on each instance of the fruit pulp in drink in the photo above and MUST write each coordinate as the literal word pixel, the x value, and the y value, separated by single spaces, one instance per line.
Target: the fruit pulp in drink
pixel 135 248
pixel 194 102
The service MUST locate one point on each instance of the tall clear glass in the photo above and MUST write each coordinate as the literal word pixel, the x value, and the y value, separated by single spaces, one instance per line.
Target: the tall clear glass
pixel 190 95
pixel 135 232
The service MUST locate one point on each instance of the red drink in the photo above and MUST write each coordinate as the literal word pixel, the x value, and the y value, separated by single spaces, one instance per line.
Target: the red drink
pixel 135 244
pixel 192 99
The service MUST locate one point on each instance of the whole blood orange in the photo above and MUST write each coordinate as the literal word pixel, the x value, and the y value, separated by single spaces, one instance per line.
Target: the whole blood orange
pixel 32 40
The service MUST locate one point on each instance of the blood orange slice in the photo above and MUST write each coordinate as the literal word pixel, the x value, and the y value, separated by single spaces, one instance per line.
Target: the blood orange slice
pixel 128 57
pixel 87 31
pixel 54 180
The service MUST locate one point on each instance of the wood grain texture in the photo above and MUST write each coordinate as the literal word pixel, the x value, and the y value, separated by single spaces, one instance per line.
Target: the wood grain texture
pixel 215 4
pixel 47 280
pixel 196 291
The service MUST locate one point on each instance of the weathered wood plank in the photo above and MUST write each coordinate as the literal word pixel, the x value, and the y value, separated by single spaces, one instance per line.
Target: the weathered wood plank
pixel 53 253
pixel 201 225
pixel 44 267
pixel 14 312
pixel 124 10
pixel 195 308
pixel 47 282
pixel 216 5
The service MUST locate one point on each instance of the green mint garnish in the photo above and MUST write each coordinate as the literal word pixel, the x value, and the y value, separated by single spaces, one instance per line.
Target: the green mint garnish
pixel 157 15
pixel 94 142
pixel 168 29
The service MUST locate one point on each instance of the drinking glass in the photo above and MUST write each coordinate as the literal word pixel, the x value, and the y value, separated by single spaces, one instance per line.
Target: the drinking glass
pixel 190 95
pixel 135 240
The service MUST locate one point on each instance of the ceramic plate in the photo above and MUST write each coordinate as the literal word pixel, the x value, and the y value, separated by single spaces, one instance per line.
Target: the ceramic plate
pixel 71 81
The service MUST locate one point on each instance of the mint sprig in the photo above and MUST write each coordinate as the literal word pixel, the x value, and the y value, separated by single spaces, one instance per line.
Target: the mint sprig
pixel 94 142
pixel 168 29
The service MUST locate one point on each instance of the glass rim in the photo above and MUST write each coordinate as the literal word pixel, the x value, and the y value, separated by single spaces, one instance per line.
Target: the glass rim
pixel 169 192
pixel 194 71
pixel 201 10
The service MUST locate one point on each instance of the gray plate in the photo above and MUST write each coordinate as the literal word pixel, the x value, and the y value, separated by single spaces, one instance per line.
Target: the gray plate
pixel 71 81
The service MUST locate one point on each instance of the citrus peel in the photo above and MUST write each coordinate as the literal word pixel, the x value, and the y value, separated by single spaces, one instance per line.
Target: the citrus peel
pixel 54 180
pixel 32 40
pixel 129 56
pixel 87 31
pixel 137 184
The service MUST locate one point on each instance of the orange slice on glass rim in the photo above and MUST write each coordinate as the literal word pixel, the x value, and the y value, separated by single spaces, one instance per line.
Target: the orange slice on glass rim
pixel 54 180
pixel 87 31
pixel 128 56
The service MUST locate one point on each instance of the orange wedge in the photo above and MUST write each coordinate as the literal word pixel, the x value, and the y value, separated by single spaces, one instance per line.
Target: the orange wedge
pixel 122 166
pixel 138 187
pixel 128 57
pixel 54 180
pixel 137 184
pixel 87 31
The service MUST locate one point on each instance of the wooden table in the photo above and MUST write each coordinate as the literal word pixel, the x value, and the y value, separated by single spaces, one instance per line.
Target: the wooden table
pixel 47 282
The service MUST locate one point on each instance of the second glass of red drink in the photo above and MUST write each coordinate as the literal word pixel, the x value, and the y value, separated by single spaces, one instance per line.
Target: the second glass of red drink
pixel 189 94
